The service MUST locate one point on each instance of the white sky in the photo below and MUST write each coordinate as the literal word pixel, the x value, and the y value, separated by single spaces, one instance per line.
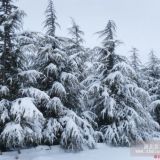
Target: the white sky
pixel 138 21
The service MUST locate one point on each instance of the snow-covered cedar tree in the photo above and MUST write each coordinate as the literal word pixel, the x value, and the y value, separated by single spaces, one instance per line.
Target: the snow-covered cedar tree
pixel 62 87
pixel 51 19
pixel 136 64
pixel 24 126
pixel 152 78
pixel 10 59
pixel 135 61
pixel 109 43
pixel 120 104
pixel 121 107
pixel 152 75
pixel 52 61
pixel 75 50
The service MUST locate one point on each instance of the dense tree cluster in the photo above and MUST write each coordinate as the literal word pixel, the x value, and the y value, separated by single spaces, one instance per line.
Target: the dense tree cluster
pixel 53 90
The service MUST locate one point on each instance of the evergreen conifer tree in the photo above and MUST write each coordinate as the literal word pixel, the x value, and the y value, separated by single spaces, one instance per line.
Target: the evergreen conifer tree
pixel 10 60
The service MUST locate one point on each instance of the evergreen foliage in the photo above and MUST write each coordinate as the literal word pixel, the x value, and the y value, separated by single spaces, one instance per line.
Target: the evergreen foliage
pixel 53 90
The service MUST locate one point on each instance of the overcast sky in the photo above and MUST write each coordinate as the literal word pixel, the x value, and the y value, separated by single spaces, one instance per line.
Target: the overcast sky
pixel 138 21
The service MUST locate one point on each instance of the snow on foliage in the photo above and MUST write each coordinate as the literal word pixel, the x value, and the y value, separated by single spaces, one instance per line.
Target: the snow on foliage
pixel 4 111
pixel 24 108
pixel 121 107
pixel 13 135
pixel 90 117
pixel 39 96
pixel 73 96
pixel 48 54
pixel 28 119
pixel 4 91
pixel 77 132
pixel 57 90
pixel 69 78
pixel 95 87
pixel 125 69
pixel 55 106
pixel 32 76
pixel 130 124
pixel 52 131
pixel 51 69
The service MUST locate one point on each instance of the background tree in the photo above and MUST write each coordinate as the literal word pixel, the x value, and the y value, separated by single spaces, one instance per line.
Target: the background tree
pixel 135 61
pixel 50 21
pixel 76 35
pixel 76 51
pixel 151 72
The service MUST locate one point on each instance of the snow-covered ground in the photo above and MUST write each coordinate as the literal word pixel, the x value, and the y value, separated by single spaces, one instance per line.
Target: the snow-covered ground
pixel 102 152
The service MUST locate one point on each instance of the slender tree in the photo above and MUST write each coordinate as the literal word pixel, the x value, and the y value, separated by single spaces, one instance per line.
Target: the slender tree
pixel 76 34
pixel 135 61
pixel 75 50
pixel 10 21
pixel 153 65
pixel 50 22
pixel 109 43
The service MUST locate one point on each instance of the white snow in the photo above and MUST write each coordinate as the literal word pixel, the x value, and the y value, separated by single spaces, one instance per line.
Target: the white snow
pixel 4 90
pixel 102 152
pixel 30 75
pixel 25 107
pixel 58 88
pixel 35 93
pixel 55 105
pixel 51 69
pixel 70 78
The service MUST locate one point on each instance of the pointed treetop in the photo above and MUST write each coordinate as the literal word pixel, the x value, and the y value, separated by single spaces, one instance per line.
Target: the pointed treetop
pixel 76 33
pixel 50 22
pixel 109 34
pixel 135 61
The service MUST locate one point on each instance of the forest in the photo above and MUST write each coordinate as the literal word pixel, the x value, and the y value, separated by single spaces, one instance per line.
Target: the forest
pixel 55 91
